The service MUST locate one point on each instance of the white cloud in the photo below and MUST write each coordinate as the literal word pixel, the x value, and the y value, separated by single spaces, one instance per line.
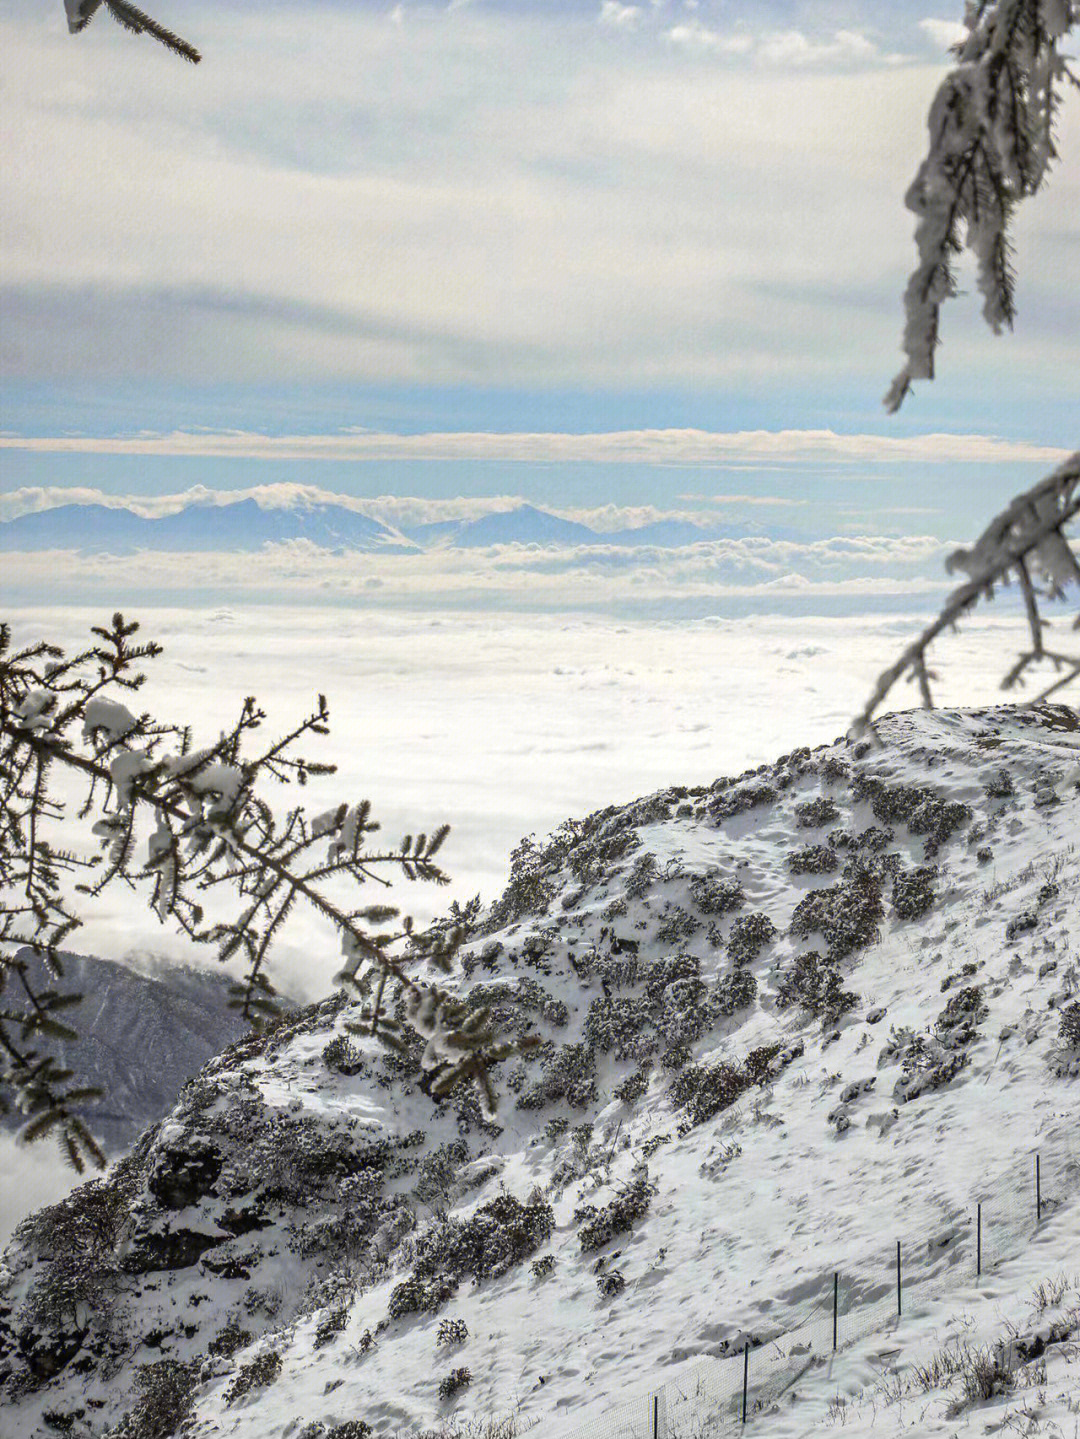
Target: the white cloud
pixel 693 35
pixel 669 447
pixel 792 47
pixel 944 33
pixel 620 17
pixel 609 578
pixel 391 209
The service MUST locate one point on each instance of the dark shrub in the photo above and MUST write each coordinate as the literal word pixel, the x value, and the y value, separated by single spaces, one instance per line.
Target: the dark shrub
pixel 715 895
pixel 614 1025
pixel 814 859
pixel 632 1087
pixel 342 1056
pixel 1021 923
pixel 748 934
pixel 610 1283
pixel 846 915
pixel 454 1382
pixel 621 1214
pixel 815 812
pixel 815 985
pixel 452 1331
pixel 256 1374
pixel 1069 1026
pixel 913 892
pixel 499 1235
pixel 733 991
pixel 166 1391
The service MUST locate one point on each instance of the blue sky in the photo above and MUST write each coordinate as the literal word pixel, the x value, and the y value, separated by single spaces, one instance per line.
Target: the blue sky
pixel 558 219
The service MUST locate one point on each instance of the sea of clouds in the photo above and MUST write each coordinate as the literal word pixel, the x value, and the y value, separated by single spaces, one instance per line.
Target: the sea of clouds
pixel 502 724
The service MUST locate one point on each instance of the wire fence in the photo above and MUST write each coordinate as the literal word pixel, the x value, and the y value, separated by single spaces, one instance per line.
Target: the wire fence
pixel 720 1397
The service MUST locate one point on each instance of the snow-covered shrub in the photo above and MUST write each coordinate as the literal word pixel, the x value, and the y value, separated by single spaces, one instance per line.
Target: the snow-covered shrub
pixel 813 813
pixel 610 1283
pixel 957 1022
pixel 922 810
pixel 676 1057
pixel 713 894
pixel 451 1331
pixel 454 1382
pixel 1000 785
pixel 166 1391
pixel 732 991
pixel 705 1090
pixel 229 1338
pixel 667 971
pixel 613 1025
pixel 632 1087
pixel 543 1267
pixel 256 1374
pixel 437 1171
pixel 815 985
pixel 530 889
pixel 748 934
pixel 617 1216
pixel 567 1072
pixel 676 924
pixel 500 1234
pixel 341 1056
pixel 1020 923
pixel 965 969
pixel 913 892
pixel 1069 1026
pixel 846 915
pixel 733 802
pixel 642 876
pixel 684 1013
pixel 330 1325
pixel 813 859
pixel 350 1429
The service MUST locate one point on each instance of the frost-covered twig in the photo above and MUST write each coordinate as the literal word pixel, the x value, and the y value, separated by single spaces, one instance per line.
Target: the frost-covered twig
pixel 1030 535
pixel 205 828
pixel 81 12
pixel 991 144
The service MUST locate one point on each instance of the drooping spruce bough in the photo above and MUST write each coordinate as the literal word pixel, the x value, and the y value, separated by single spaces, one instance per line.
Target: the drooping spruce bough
pixel 179 821
pixel 991 145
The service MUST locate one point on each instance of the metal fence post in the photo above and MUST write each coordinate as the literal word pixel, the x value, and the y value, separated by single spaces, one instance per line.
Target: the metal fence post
pixel 1038 1193
pixel 835 1307
pixel 899 1304
pixel 745 1376
pixel 978 1241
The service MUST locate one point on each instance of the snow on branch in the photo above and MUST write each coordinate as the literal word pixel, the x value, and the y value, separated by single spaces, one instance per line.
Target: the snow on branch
pixel 1027 541
pixel 189 826
pixel 991 144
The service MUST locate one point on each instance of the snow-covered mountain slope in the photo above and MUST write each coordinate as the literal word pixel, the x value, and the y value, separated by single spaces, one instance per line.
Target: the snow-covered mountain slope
pixel 243 525
pixel 142 1036
pixel 788 1019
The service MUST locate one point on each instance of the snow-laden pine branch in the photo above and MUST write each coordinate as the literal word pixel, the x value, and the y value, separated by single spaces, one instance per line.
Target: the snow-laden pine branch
pixel 81 12
pixel 991 144
pixel 1028 541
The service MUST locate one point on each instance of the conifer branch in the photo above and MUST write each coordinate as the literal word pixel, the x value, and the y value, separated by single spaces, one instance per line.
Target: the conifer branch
pixel 1031 533
pixel 204 828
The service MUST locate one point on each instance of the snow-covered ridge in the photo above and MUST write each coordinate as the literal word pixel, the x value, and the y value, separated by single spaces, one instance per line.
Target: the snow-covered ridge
pixel 783 1016
pixel 248 524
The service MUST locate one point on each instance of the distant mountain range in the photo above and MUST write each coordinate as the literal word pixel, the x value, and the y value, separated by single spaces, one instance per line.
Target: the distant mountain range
pixel 141 1038
pixel 245 525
